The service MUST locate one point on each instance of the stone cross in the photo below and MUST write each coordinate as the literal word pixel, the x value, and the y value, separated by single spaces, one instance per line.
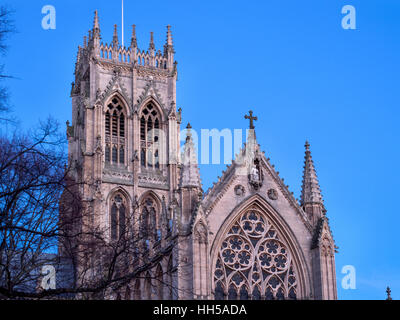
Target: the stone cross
pixel 252 119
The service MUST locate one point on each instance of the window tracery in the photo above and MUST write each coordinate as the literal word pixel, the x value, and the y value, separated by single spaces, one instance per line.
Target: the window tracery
pixel 118 216
pixel 150 229
pixel 115 125
pixel 253 262
pixel 150 125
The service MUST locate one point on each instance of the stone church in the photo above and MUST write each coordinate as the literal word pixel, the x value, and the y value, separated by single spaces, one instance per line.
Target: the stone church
pixel 245 238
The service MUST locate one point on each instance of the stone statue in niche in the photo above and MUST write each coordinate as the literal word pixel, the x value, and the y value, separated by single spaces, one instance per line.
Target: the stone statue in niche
pixel 256 177
pixel 255 174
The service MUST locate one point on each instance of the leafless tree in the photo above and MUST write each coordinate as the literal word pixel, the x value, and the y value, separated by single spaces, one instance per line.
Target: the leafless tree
pixel 44 221
pixel 6 28
pixel 31 182
pixel 37 230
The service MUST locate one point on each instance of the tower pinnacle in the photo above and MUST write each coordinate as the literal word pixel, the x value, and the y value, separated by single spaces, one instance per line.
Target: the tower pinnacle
pixel 115 36
pixel 169 37
pixel 169 50
pixel 190 169
pixel 134 39
pixel 96 24
pixel 152 47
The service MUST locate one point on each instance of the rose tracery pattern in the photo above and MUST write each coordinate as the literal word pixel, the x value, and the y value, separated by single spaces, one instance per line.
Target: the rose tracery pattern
pixel 254 263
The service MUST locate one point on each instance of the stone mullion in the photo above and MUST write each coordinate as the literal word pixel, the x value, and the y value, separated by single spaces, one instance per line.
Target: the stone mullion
pixel 145 144
pixel 328 275
pixel 118 139
pixel 333 276
pixel 197 268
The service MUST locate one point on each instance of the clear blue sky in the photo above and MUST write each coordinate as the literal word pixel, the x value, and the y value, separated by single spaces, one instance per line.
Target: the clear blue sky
pixel 292 63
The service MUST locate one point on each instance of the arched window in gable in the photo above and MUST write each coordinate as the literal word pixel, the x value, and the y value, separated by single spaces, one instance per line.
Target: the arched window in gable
pixel 118 213
pixel 254 262
pixel 150 125
pixel 115 124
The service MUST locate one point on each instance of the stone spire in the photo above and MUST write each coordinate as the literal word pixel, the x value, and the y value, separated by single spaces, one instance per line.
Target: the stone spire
pixel 115 37
pixel 311 191
pixel 311 197
pixel 134 39
pixel 190 176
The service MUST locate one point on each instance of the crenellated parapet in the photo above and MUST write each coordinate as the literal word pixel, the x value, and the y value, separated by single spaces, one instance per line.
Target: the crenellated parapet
pixel 133 56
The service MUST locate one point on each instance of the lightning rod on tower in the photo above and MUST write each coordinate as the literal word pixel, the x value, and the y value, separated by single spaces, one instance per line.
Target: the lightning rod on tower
pixel 122 27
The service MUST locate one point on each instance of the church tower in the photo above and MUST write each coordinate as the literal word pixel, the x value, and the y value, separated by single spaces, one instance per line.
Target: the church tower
pixel 124 142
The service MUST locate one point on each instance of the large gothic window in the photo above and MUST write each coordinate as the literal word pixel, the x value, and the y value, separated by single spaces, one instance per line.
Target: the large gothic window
pixel 115 152
pixel 118 217
pixel 150 126
pixel 253 262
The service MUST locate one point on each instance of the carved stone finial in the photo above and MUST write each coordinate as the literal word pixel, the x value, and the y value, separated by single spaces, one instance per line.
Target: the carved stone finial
pixel 307 145
pixel 169 44
pixel 389 293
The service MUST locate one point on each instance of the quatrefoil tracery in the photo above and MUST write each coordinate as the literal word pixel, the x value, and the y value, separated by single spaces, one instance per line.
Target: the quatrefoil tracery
pixel 254 262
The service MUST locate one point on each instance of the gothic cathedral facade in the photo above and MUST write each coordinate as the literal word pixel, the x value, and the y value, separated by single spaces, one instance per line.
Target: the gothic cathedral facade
pixel 246 238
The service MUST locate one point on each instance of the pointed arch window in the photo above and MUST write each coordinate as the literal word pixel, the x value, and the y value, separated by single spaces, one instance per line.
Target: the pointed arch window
pixel 254 262
pixel 150 226
pixel 150 126
pixel 115 125
pixel 118 212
